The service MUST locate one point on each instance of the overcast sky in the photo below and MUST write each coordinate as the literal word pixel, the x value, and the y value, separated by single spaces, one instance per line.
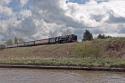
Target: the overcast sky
pixel 37 19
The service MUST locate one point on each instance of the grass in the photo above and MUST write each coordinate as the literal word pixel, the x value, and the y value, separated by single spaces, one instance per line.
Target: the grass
pixel 96 53
pixel 87 62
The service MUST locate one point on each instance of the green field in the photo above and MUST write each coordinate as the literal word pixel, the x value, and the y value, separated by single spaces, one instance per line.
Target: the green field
pixel 96 53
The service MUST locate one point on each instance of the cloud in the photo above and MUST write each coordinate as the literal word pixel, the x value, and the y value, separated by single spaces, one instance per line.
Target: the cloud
pixel 26 13
pixel 53 14
pixel 37 19
pixel 5 1
pixel 5 10
pixel 104 16
pixel 23 2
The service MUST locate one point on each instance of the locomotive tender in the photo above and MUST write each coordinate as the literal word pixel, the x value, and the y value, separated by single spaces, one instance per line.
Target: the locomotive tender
pixel 54 40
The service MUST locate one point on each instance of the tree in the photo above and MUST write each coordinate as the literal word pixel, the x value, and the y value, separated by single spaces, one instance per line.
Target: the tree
pixel 14 41
pixel 9 42
pixel 52 34
pixel 87 35
pixel 18 40
pixel 102 36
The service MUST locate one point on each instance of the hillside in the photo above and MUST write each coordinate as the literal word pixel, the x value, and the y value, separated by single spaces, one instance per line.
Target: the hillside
pixel 72 53
pixel 108 48
pixel 42 51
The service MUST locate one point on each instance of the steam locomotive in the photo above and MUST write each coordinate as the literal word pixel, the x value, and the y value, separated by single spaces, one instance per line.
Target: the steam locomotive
pixel 54 40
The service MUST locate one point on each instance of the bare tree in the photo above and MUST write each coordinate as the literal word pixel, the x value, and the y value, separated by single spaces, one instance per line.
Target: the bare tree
pixel 53 33
pixel 18 40
pixel 14 41
pixel 67 32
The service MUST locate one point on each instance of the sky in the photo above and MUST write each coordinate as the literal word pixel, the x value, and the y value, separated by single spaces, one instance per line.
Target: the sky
pixel 39 19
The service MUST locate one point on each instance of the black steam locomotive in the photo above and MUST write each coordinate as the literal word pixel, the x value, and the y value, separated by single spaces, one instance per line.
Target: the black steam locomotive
pixel 54 40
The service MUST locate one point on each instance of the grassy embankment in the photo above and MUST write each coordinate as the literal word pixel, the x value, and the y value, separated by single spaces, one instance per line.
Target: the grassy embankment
pixel 97 53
